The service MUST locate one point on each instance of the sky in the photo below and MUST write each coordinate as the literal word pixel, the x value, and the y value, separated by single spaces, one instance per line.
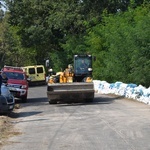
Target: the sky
pixel 2 5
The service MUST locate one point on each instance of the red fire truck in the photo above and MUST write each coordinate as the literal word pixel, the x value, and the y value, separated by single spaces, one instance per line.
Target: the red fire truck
pixel 17 82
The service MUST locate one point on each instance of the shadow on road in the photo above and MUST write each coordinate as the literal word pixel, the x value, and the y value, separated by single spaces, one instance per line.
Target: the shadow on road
pixel 32 100
pixel 37 85
pixel 96 101
pixel 23 114
pixel 37 100
pixel 44 101
pixel 106 99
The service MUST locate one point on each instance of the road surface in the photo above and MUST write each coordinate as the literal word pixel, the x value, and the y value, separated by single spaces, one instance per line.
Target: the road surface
pixel 108 123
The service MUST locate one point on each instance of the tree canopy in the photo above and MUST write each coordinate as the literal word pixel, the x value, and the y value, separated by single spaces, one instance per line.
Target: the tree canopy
pixel 117 32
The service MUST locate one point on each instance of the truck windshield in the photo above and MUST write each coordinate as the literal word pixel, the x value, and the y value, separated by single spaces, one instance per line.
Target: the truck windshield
pixel 15 75
pixel 82 64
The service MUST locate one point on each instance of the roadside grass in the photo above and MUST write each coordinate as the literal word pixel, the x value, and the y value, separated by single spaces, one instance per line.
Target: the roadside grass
pixel 7 129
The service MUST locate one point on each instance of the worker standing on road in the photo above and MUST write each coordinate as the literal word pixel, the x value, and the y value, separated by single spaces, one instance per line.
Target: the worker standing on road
pixel 4 78
pixel 0 81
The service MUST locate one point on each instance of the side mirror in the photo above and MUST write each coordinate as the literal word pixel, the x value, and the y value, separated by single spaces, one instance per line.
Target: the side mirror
pixel 47 63
pixel 28 79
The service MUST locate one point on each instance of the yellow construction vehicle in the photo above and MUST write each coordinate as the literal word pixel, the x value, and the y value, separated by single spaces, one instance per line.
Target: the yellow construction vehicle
pixel 74 84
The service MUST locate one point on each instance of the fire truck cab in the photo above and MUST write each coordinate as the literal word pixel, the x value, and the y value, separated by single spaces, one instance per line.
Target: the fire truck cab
pixel 17 82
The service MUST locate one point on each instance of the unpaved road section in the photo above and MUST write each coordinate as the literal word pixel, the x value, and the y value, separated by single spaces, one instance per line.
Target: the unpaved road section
pixel 109 123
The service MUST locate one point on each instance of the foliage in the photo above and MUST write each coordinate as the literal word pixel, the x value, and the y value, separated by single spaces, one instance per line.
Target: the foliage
pixel 35 30
pixel 140 72
pixel 122 44
pixel 5 40
pixel 44 25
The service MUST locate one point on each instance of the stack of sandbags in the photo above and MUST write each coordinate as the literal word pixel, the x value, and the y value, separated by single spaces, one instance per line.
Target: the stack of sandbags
pixel 96 85
pixel 142 94
pixel 130 90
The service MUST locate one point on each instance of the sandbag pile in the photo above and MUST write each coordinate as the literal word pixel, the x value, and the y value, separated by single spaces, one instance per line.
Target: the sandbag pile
pixel 130 90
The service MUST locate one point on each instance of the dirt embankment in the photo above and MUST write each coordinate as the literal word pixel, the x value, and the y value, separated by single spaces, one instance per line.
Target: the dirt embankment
pixel 7 126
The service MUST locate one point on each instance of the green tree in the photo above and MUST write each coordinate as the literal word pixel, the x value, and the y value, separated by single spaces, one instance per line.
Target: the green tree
pixel 11 50
pixel 44 25
pixel 56 29
pixel 140 64
pixel 4 40
pixel 121 43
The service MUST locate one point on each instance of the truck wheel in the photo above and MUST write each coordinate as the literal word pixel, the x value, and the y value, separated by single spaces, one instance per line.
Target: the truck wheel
pixel 24 99
pixel 52 102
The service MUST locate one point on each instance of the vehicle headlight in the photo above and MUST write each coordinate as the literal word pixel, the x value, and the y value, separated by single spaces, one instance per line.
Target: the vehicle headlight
pixel 90 69
pixel 23 86
pixel 50 70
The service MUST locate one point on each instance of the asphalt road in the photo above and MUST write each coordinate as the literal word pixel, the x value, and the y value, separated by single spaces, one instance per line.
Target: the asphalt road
pixel 109 123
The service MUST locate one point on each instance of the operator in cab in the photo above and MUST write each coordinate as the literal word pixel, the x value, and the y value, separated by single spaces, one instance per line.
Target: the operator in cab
pixel 83 65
